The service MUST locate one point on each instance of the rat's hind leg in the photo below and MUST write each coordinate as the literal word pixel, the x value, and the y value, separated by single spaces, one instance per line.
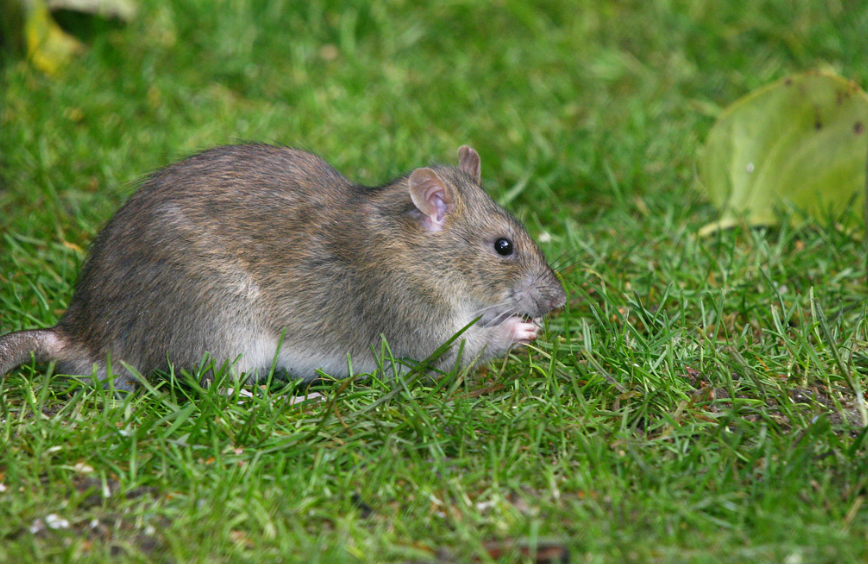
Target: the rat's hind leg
pixel 75 359
pixel 123 379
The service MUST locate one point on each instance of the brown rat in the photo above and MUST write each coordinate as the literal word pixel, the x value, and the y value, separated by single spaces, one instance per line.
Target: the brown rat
pixel 224 251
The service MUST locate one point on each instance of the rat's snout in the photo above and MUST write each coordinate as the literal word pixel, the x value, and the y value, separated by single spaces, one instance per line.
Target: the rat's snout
pixel 552 295
pixel 558 298
pixel 542 293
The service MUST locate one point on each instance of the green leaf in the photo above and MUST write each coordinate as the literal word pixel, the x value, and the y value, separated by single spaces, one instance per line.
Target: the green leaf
pixel 802 141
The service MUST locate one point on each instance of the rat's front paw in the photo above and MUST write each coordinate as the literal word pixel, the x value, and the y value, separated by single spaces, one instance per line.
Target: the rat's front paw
pixel 517 331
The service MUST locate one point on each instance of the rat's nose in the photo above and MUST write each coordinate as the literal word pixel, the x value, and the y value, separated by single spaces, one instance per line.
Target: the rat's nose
pixel 551 294
pixel 558 300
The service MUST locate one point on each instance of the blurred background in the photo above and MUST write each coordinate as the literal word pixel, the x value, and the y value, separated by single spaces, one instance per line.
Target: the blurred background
pixel 574 106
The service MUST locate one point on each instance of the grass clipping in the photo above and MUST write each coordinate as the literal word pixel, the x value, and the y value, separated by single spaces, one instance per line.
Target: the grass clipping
pixel 799 142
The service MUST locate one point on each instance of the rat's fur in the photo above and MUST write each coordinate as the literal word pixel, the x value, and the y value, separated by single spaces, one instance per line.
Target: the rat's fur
pixel 222 252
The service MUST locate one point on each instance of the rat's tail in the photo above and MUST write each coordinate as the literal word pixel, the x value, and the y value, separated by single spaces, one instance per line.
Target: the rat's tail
pixel 16 348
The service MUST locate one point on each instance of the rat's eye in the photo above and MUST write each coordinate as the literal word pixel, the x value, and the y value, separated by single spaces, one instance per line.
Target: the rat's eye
pixel 504 247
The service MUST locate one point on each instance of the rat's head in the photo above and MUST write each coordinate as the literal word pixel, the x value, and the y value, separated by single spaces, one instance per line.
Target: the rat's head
pixel 476 247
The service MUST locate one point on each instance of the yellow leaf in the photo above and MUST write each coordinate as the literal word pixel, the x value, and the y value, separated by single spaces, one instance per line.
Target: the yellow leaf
pixel 48 47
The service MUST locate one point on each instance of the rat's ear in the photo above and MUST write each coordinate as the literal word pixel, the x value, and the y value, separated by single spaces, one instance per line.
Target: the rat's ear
pixel 468 161
pixel 431 196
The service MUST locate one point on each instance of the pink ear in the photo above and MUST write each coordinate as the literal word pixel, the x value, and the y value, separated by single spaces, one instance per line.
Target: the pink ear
pixel 468 161
pixel 431 196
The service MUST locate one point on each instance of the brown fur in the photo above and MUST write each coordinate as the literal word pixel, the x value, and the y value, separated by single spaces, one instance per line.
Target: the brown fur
pixel 223 251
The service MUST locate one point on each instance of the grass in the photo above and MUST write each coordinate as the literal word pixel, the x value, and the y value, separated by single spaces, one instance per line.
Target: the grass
pixel 693 402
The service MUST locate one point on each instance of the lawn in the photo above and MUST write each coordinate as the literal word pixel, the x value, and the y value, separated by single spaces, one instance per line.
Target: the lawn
pixel 694 401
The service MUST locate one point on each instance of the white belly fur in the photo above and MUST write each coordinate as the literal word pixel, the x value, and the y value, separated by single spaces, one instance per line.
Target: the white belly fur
pixel 261 352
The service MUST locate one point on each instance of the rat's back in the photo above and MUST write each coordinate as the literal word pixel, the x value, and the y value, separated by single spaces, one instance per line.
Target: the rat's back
pixel 178 271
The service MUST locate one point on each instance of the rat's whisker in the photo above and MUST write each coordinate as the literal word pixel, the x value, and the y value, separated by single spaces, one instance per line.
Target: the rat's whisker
pixel 483 310
pixel 565 260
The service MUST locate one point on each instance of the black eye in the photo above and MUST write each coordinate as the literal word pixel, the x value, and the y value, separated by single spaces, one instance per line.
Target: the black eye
pixel 503 247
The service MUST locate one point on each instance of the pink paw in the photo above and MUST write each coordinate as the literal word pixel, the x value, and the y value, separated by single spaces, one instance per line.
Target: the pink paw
pixel 520 332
